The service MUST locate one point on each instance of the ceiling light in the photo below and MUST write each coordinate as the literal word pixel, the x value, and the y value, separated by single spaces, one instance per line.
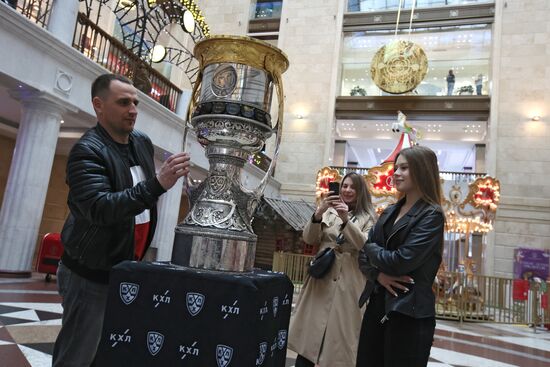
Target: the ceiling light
pixel 158 53
pixel 188 22
pixel 535 118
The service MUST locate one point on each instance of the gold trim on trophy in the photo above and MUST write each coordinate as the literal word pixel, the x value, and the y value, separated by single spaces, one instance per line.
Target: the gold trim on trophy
pixel 241 50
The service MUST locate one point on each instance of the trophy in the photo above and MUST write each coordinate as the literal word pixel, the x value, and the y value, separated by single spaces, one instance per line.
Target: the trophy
pixel 229 113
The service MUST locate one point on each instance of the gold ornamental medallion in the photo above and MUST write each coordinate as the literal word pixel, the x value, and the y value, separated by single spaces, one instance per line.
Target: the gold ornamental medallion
pixel 399 66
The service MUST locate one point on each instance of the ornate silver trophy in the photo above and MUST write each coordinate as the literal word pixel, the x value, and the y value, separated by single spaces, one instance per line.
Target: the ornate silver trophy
pixel 231 120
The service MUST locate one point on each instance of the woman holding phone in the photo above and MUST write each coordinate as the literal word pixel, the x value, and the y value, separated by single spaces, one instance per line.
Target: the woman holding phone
pixel 400 260
pixel 325 327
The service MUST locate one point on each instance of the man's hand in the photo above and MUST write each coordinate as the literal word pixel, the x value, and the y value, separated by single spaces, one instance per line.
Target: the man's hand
pixel 390 282
pixel 172 169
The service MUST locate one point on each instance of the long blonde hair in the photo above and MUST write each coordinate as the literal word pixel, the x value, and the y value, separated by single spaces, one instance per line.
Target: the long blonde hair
pixel 424 172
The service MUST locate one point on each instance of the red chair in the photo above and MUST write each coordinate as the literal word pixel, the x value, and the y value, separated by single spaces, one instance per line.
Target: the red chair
pixel 49 254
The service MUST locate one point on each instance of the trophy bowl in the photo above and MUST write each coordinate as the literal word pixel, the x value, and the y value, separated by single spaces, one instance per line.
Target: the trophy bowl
pixel 229 113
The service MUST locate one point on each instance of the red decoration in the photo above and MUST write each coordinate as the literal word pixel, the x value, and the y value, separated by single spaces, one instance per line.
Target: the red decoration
pixel 485 196
pixel 520 289
pixel 385 181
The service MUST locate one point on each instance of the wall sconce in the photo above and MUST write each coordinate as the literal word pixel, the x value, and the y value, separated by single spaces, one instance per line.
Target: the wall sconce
pixel 535 118
pixel 299 116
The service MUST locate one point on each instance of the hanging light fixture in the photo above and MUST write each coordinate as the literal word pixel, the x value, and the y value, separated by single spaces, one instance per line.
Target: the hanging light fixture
pixel 399 66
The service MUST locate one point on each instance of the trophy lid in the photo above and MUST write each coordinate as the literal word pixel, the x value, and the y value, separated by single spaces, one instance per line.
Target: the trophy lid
pixel 241 50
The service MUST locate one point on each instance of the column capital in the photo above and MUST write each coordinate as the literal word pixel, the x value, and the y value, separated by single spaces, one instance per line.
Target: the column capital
pixel 35 99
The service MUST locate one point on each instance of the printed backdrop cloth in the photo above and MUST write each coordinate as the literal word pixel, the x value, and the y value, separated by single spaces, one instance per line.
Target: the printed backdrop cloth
pixel 160 314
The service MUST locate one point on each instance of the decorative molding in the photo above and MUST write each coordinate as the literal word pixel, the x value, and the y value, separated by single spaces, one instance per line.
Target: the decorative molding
pixel 63 82
pixel 431 108
pixel 264 25
pixel 424 17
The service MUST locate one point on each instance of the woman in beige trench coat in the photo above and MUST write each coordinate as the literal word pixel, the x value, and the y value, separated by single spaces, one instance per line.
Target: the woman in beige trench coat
pixel 325 327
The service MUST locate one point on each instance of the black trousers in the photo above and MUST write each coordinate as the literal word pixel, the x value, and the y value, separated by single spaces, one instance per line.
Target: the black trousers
pixel 399 341
pixel 303 362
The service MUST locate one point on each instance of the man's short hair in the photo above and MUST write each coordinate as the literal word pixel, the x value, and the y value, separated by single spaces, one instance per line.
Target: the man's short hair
pixel 101 85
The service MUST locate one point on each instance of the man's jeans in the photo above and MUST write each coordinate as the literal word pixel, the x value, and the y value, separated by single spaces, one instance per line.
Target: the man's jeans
pixel 84 305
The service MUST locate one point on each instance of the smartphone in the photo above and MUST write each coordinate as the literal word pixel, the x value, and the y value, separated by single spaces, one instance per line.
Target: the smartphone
pixel 334 187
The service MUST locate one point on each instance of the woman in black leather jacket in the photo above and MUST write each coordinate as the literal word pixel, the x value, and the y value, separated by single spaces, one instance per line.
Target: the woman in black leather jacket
pixel 400 260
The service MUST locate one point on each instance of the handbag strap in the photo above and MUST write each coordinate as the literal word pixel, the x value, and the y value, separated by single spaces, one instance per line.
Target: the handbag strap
pixel 340 239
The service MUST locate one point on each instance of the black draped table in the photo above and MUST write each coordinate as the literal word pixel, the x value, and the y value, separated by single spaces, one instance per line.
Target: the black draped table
pixel 160 314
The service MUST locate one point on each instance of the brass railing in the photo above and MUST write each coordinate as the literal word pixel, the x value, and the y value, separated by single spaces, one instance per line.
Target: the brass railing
pixel 459 296
pixel 37 11
pixel 109 52
pixel 293 265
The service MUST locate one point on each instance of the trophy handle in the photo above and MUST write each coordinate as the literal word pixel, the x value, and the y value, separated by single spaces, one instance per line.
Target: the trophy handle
pixel 192 104
pixel 277 80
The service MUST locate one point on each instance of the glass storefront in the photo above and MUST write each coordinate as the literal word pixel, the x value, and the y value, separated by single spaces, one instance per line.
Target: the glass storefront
pixel 463 49
pixel 380 5
pixel 265 9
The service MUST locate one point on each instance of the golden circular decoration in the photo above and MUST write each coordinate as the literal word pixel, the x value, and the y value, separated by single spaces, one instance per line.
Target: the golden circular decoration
pixel 399 66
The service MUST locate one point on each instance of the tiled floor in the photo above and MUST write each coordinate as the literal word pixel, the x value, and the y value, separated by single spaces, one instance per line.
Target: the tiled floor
pixel 30 318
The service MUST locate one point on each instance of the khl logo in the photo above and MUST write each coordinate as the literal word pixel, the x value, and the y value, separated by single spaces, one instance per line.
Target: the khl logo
pixel 223 355
pixel 161 298
pixel 281 339
pixel 128 292
pixel 189 351
pixel 274 346
pixel 154 342
pixel 263 351
pixel 263 311
pixel 286 300
pixel 275 306
pixel 195 301
pixel 122 338
pixel 233 310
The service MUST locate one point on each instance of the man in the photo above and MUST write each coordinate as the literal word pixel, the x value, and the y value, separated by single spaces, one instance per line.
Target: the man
pixel 450 82
pixel 113 192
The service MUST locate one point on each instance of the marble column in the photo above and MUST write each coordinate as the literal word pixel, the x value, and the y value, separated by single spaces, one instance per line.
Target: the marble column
pixel 480 158
pixel 183 103
pixel 28 180
pixel 168 210
pixel 340 156
pixel 63 20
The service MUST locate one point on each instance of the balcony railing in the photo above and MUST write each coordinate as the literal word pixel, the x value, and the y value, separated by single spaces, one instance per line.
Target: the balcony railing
pixel 37 11
pixel 377 5
pixel 460 296
pixel 446 175
pixel 357 81
pixel 110 53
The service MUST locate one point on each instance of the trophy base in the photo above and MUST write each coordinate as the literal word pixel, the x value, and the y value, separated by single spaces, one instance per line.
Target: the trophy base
pixel 213 248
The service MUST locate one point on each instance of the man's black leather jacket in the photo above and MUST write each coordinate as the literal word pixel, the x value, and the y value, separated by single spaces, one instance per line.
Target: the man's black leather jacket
pixel 413 248
pixel 103 203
